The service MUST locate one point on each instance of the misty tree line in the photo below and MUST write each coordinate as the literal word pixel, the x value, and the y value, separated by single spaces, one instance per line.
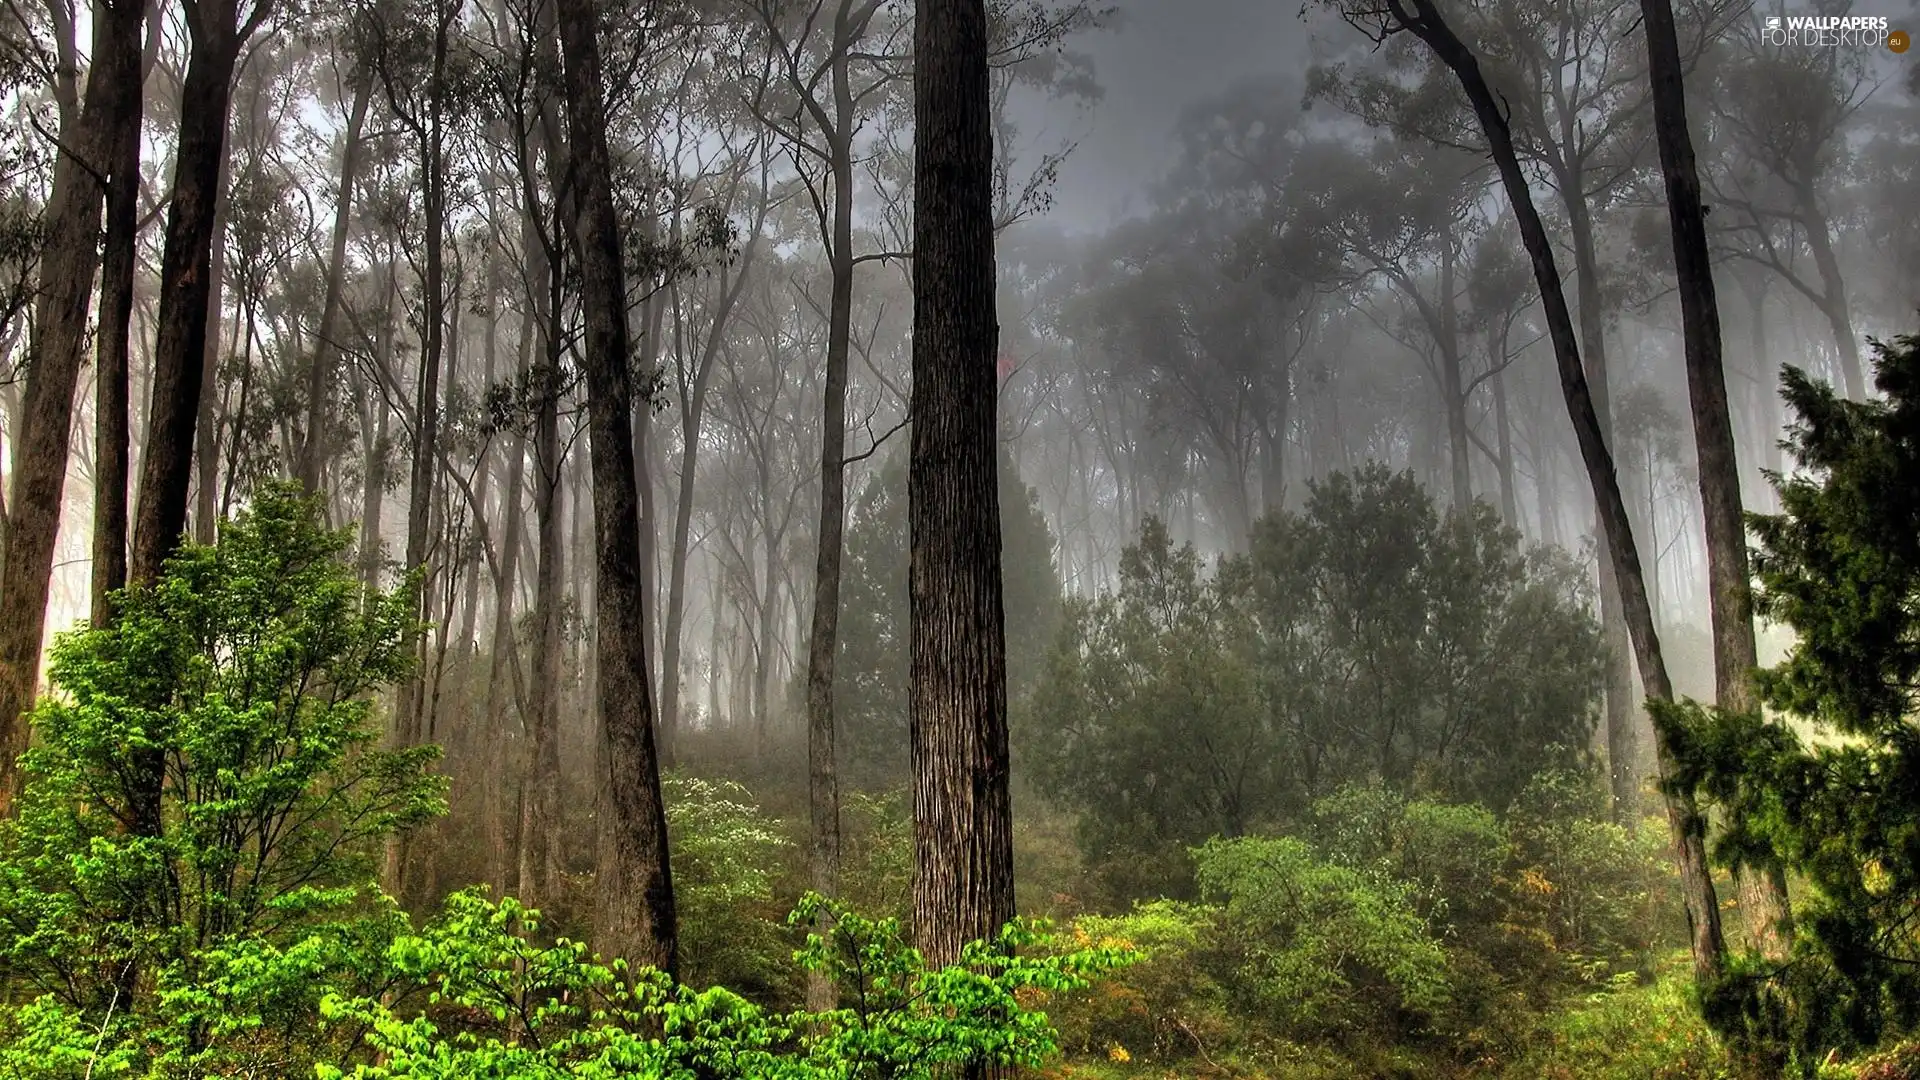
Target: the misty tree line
pixel 373 205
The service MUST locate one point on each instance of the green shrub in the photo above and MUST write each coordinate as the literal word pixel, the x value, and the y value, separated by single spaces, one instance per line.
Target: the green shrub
pixel 1321 948
pixel 498 1005
pixel 725 858
pixel 193 856
pixel 1628 1031
pixel 1169 1005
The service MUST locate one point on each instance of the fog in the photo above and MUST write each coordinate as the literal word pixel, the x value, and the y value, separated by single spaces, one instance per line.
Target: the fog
pixel 1303 512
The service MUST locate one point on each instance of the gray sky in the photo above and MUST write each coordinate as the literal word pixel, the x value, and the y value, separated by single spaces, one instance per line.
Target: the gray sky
pixel 1166 55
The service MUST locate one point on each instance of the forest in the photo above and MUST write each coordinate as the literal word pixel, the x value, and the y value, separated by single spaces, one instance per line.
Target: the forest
pixel 911 539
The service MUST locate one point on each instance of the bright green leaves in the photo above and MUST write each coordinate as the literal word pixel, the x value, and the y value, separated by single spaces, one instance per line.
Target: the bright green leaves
pixel 497 1005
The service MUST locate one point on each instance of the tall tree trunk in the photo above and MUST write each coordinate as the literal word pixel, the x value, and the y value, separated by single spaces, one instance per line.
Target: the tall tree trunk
pixel 313 450
pixel 962 809
pixel 374 494
pixel 206 452
pixel 186 282
pixel 540 783
pixel 1833 284
pixel 426 416
pixel 41 443
pixel 1688 825
pixel 120 254
pixel 1503 430
pixel 823 781
pixel 1762 888
pixel 1622 707
pixel 503 672
pixel 633 911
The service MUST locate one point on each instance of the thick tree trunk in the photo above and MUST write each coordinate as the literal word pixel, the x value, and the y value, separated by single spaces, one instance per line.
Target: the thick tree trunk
pixel 42 441
pixel 1763 895
pixel 633 912
pixel 1683 817
pixel 186 287
pixel 963 880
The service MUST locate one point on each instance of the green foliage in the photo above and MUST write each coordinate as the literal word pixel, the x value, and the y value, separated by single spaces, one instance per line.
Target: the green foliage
pixel 500 1006
pixel 193 851
pixel 1627 1031
pixel 1840 565
pixel 1366 638
pixel 870 674
pixel 1169 1001
pixel 1323 947
pixel 725 852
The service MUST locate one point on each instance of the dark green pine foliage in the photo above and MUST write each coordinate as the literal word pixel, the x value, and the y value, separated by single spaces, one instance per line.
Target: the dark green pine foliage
pixel 1837 793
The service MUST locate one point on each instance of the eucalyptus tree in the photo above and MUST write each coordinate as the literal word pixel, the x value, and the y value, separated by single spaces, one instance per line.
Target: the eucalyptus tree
pixel 1421 20
pixel 1407 220
pixel 962 803
pixel 1783 115
pixel 634 913
pixel 89 168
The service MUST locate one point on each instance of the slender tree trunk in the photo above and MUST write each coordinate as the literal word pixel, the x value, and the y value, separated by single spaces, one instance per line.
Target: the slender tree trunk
pixel 823 782
pixel 313 450
pixel 633 911
pixel 374 497
pixel 540 805
pixel 126 64
pixel 42 441
pixel 1621 704
pixel 963 821
pixel 1834 286
pixel 1503 429
pixel 1763 893
pixel 1688 825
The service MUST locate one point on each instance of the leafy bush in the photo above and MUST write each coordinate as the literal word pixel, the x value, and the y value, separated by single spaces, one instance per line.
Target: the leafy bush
pixel 1169 1004
pixel 194 845
pixel 498 1005
pixel 725 854
pixel 1322 948
pixel 1627 1031
pixel 1367 638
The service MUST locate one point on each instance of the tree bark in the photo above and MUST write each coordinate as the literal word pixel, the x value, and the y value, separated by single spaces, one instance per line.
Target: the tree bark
pixel 963 834
pixel 633 911
pixel 313 449
pixel 1683 816
pixel 186 282
pixel 823 782
pixel 1762 889
pixel 1833 303
pixel 112 438
pixel 1503 430
pixel 540 801
pixel 42 442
